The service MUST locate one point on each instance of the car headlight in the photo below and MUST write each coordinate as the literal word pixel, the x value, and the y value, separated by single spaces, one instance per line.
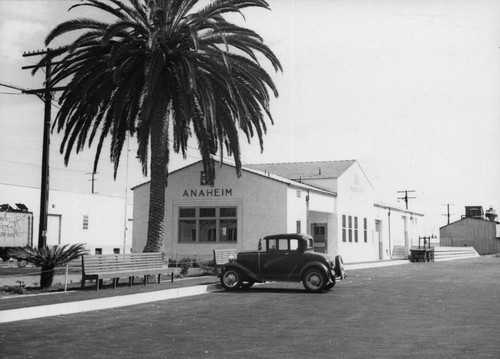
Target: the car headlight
pixel 232 259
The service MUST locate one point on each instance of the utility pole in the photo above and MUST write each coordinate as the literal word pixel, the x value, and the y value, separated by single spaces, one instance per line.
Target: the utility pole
pixel 93 180
pixel 46 95
pixel 448 211
pixel 406 198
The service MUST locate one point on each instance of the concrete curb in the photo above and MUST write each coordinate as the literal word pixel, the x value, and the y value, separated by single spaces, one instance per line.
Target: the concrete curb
pixel 103 303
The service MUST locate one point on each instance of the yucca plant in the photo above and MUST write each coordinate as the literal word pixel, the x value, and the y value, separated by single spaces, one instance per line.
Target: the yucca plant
pixel 48 258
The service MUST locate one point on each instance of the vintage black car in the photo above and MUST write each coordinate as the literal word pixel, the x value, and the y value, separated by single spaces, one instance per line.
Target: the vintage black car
pixel 283 257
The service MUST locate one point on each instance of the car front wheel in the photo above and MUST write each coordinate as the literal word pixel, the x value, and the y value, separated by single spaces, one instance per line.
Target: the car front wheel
pixel 314 280
pixel 230 279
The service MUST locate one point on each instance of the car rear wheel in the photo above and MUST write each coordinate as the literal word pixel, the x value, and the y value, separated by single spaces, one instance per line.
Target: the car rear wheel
pixel 314 280
pixel 230 279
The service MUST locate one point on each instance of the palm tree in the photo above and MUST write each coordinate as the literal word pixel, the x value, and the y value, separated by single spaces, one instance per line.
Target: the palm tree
pixel 163 70
pixel 48 259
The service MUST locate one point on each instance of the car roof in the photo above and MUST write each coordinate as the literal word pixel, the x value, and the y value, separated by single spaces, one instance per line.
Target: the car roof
pixel 288 235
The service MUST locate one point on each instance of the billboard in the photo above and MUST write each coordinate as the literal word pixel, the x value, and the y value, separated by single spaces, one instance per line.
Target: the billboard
pixel 16 229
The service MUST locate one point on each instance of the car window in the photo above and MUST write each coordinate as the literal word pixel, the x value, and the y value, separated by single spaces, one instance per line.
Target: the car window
pixel 283 244
pixel 272 245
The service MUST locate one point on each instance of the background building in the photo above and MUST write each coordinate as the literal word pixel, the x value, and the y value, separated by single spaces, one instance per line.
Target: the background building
pixel 98 221
pixel 331 200
pixel 475 229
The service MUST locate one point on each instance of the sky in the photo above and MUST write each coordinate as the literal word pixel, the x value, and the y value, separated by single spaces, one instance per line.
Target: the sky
pixel 409 88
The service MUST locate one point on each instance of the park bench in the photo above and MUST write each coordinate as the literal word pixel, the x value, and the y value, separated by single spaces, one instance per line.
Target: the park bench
pixel 115 266
pixel 221 257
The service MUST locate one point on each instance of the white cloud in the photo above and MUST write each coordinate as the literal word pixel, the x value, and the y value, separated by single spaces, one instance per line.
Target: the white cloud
pixel 28 9
pixel 18 36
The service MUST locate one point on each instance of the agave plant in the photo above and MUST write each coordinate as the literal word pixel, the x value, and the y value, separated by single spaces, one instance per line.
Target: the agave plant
pixel 48 258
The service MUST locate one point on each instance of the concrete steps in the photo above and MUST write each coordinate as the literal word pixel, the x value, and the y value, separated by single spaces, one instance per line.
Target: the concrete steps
pixel 451 253
pixel 398 252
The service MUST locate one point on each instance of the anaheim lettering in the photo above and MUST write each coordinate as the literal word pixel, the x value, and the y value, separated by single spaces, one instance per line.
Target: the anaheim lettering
pixel 212 192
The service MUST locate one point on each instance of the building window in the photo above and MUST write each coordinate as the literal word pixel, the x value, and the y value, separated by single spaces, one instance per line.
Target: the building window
pixel 350 228
pixel 228 224
pixel 208 224
pixel 319 231
pixel 85 222
pixel 344 229
pixel 204 180
pixel 187 224
pixel 98 251
pixel 356 229
pixel 116 250
pixel 298 226
pixel 299 194
pixel 365 230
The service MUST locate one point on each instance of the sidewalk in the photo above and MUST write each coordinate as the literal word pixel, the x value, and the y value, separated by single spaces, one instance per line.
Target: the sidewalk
pixel 23 307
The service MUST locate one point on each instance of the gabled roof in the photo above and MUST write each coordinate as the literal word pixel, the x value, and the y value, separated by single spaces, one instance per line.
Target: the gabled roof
pixel 258 172
pixel 305 170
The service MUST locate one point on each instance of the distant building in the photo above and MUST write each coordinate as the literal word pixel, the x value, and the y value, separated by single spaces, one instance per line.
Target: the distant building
pixel 475 229
pixel 331 200
pixel 98 221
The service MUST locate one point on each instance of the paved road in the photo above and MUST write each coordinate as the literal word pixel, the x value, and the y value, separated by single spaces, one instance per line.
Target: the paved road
pixel 432 310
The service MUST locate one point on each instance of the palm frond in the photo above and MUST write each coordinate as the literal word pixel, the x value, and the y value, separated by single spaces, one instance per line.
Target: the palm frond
pixel 48 256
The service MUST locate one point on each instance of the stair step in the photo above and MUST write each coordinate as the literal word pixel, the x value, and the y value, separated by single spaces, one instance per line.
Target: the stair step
pixel 451 253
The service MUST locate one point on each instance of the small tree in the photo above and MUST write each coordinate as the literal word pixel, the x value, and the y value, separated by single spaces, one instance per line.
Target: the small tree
pixel 48 259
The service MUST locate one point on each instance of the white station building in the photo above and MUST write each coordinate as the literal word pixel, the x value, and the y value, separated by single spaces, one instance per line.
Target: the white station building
pixel 331 200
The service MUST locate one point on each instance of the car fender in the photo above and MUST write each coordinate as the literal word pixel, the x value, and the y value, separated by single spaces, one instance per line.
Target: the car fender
pixel 318 265
pixel 243 269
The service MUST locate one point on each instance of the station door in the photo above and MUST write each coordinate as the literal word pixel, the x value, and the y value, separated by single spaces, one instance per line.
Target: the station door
pixel 319 236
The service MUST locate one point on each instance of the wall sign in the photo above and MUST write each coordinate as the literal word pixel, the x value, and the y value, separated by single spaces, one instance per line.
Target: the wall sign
pixel 357 189
pixel 212 192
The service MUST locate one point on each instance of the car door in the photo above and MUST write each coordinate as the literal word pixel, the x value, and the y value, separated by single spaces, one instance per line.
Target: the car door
pixel 281 261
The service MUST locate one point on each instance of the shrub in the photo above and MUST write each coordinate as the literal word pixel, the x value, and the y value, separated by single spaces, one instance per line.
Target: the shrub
pixel 48 258
pixel 185 264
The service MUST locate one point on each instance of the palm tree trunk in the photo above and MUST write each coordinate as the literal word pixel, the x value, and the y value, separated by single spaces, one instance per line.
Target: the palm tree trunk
pixel 46 277
pixel 159 172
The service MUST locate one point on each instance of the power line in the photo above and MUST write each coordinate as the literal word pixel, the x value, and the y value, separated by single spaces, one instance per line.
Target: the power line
pixel 13 87
pixel 25 92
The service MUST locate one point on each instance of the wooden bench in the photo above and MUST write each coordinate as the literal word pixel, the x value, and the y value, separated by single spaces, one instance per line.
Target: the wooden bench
pixel 115 266
pixel 221 257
